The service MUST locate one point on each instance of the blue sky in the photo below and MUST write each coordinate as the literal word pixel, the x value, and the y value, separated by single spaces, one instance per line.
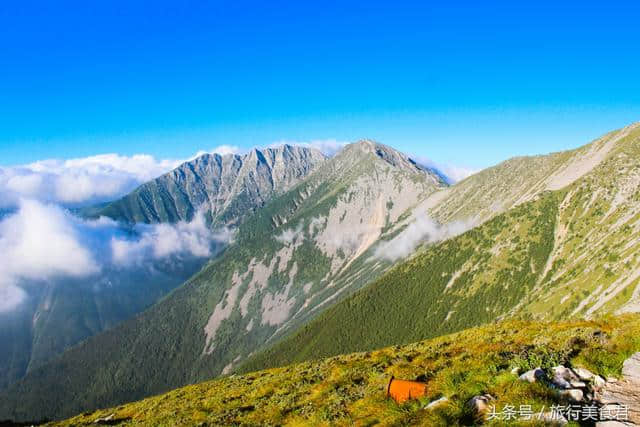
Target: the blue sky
pixel 459 82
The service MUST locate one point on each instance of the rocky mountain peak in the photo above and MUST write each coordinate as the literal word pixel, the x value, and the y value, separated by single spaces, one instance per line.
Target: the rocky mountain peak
pixel 368 148
pixel 229 186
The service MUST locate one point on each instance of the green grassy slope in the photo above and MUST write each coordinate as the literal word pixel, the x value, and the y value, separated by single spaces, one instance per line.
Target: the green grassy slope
pixel 351 389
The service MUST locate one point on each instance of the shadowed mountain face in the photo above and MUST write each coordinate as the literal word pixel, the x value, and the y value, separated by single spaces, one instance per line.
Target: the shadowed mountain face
pixel 60 313
pixel 229 188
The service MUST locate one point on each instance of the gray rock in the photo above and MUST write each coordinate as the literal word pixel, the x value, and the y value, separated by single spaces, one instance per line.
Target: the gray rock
pixel 437 402
pixel 631 368
pixel 479 405
pixel 573 395
pixel 533 375
pixel 105 420
pixel 599 382
pixel 563 377
pixel 626 391
pixel 584 374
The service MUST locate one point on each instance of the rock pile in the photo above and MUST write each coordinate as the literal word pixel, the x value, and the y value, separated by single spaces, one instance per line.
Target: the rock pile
pixel 581 388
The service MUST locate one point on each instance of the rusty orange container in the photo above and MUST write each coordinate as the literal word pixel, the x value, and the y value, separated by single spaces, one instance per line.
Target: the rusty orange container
pixel 403 390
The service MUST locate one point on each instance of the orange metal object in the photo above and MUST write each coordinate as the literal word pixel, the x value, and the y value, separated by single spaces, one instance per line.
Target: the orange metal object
pixel 403 390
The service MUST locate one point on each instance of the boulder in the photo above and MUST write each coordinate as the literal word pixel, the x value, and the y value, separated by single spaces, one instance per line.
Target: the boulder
pixel 572 395
pixel 437 402
pixel 533 375
pixel 626 391
pixel 564 377
pixel 631 369
pixel 584 374
pixel 598 382
pixel 479 406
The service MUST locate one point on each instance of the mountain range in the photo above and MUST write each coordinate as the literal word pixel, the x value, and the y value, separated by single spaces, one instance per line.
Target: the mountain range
pixel 228 187
pixel 62 312
pixel 355 252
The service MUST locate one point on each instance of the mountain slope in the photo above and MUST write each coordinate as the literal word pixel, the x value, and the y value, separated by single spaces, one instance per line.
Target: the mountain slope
pixel 515 181
pixel 228 187
pixel 60 313
pixel 302 252
pixel 565 253
pixel 351 389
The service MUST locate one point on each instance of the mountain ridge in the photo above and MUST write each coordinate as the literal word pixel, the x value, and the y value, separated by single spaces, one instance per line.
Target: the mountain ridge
pixel 229 187
pixel 563 253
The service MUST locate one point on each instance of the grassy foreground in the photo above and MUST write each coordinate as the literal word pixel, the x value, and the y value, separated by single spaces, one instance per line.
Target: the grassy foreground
pixel 350 389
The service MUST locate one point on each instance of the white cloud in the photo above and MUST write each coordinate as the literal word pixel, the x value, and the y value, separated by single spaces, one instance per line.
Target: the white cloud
pixel 422 230
pixel 457 173
pixel 81 180
pixel 38 242
pixel 42 242
pixel 453 173
pixel 163 240
pixel 223 150
pixel 327 146
pixel 289 235
pixel 11 296
pixel 226 149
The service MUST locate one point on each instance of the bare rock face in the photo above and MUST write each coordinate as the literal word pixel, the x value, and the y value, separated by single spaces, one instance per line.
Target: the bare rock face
pixel 624 393
pixel 227 187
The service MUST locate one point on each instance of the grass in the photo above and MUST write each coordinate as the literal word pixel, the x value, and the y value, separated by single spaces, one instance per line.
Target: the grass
pixel 350 389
